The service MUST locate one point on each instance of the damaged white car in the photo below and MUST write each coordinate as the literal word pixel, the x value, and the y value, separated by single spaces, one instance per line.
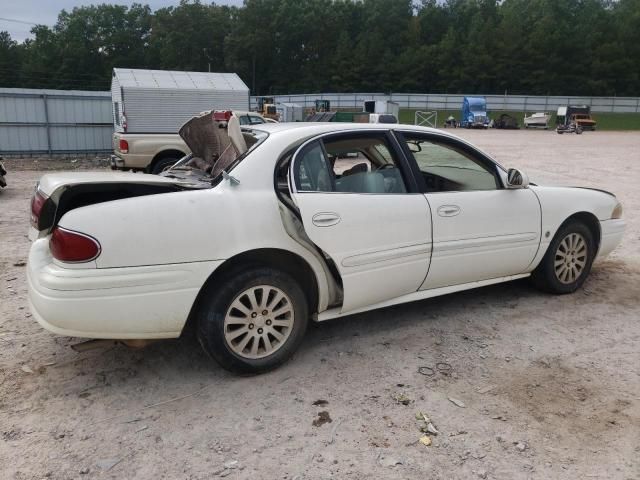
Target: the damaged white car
pixel 265 228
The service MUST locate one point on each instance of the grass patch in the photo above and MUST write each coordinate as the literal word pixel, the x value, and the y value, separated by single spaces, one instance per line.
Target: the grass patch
pixel 606 121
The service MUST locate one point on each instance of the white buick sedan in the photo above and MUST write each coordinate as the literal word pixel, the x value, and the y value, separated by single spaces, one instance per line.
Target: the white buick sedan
pixel 264 228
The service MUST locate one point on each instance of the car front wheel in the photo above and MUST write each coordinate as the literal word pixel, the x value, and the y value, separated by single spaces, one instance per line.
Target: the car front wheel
pixel 568 260
pixel 253 321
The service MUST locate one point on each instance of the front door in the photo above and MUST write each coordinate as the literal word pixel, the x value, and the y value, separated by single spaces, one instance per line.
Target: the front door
pixel 481 230
pixel 360 207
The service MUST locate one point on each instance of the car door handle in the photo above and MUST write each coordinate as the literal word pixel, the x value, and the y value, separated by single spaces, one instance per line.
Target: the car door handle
pixel 448 210
pixel 325 219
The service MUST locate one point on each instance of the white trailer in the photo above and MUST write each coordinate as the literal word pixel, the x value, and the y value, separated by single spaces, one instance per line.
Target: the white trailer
pixel 381 106
pixel 290 112
pixel 160 101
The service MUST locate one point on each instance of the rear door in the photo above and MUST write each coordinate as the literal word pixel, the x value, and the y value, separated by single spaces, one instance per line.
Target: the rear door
pixel 481 230
pixel 360 205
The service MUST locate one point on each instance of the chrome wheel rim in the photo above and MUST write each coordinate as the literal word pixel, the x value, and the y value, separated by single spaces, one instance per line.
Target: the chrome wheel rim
pixel 258 322
pixel 571 258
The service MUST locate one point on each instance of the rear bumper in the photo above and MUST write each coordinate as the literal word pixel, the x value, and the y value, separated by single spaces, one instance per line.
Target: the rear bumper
pixel 114 303
pixel 138 162
pixel 116 162
pixel 611 236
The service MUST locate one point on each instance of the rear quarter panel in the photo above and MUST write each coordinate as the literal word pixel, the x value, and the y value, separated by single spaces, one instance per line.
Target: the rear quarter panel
pixel 188 226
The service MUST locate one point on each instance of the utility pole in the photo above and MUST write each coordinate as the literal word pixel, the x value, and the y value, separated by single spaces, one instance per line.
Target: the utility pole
pixel 253 81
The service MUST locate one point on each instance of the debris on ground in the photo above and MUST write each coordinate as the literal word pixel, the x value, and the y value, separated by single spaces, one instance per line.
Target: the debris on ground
pixel 108 463
pixel 402 398
pixel 334 430
pixel 486 389
pixel 425 440
pixel 92 345
pixel 26 369
pixel 443 368
pixel 521 446
pixel 320 403
pixel 457 403
pixel 231 464
pixel 389 461
pixel 323 417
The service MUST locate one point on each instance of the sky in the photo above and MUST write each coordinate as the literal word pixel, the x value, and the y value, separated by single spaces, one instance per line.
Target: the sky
pixel 19 16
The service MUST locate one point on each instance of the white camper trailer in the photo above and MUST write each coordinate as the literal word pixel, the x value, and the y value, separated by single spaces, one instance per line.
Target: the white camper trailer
pixel 160 101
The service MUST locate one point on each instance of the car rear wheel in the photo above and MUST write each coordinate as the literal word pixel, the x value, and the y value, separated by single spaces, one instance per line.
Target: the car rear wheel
pixel 568 260
pixel 253 321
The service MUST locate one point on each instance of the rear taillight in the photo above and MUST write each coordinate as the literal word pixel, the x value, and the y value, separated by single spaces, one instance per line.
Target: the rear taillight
pixel 69 246
pixel 123 146
pixel 222 115
pixel 37 204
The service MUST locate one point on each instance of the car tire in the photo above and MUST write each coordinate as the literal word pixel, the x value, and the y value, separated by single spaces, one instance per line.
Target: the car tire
pixel 162 164
pixel 567 262
pixel 236 324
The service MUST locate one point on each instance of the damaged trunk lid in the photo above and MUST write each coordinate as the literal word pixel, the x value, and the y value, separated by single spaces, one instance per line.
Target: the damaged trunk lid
pixel 58 193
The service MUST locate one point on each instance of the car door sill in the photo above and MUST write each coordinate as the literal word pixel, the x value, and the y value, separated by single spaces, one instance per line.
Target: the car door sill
pixel 419 295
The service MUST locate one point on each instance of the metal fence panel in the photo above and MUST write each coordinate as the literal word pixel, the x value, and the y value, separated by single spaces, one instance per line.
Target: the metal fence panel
pixel 59 121
pixel 438 101
pixel 54 121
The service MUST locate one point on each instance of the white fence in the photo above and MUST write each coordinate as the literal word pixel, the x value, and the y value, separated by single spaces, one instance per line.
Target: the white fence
pixel 54 121
pixel 433 101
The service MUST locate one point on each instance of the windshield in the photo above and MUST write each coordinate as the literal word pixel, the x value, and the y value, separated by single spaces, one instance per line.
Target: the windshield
pixel 476 108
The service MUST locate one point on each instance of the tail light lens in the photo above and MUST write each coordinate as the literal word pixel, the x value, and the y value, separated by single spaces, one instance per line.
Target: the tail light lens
pixel 222 115
pixel 69 246
pixel 37 204
pixel 123 146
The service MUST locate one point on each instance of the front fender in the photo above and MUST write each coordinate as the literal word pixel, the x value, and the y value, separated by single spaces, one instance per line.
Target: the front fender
pixel 559 203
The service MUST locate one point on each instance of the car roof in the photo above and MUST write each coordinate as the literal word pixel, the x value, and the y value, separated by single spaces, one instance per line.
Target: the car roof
pixel 317 128
pixel 293 131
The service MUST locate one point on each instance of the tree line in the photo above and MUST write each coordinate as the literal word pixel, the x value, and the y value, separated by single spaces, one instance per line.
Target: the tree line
pixel 544 47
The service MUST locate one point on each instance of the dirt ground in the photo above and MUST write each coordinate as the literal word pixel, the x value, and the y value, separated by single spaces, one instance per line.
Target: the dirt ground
pixel 545 386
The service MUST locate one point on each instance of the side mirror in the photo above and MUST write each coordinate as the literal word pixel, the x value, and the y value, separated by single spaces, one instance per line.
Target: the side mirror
pixel 517 179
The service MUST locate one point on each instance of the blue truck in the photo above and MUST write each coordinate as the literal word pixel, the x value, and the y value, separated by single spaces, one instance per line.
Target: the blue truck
pixel 474 113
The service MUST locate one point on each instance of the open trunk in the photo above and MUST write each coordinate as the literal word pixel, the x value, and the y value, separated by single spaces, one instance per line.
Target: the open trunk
pixel 59 193
pixel 216 142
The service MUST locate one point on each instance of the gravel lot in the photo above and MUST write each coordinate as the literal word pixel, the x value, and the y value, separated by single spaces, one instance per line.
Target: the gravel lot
pixel 548 386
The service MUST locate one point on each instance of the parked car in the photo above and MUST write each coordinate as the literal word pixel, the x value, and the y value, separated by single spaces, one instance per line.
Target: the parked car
pixel 303 222
pixel 155 152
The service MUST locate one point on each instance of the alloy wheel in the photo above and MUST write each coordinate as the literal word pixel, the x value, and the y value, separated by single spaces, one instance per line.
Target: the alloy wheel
pixel 571 258
pixel 258 321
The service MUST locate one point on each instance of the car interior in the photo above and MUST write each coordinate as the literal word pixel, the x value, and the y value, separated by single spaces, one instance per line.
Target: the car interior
pixel 350 165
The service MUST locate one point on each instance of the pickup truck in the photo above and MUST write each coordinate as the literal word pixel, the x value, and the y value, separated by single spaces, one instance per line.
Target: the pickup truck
pixel 155 152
